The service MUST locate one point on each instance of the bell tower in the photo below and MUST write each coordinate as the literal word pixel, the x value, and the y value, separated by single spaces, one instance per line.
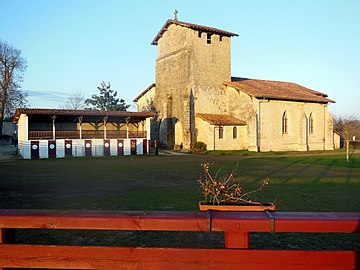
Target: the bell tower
pixel 192 61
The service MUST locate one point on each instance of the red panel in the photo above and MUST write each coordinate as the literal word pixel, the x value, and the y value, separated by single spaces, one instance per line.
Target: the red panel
pixel 105 220
pixel 68 148
pixel 133 147
pixel 240 221
pixel 145 146
pixel 83 257
pixel 88 148
pixel 120 147
pixel 106 147
pixel 34 148
pixel 317 222
pixel 52 149
pixel 237 240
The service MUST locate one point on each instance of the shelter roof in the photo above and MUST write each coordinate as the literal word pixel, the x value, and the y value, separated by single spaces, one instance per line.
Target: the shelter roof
pixel 196 27
pixel 277 90
pixel 221 119
pixel 91 114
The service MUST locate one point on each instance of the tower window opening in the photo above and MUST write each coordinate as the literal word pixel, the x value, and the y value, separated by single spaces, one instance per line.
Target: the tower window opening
pixel 199 34
pixel 208 38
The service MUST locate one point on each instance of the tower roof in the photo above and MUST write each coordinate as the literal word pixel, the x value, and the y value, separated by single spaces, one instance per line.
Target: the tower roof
pixel 195 27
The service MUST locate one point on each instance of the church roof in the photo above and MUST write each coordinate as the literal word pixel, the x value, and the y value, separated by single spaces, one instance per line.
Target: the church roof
pixel 277 90
pixel 144 92
pixel 196 27
pixel 221 119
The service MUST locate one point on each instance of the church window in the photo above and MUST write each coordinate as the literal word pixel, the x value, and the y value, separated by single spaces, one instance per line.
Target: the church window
pixel 220 38
pixel 221 132
pixel 311 124
pixel 208 38
pixel 199 34
pixel 234 132
pixel 284 123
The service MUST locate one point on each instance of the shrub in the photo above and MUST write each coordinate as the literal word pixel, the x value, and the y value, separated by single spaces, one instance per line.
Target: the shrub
pixel 199 147
pixel 225 189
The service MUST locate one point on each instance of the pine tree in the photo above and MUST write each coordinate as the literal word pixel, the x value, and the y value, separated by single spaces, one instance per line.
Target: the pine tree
pixel 107 100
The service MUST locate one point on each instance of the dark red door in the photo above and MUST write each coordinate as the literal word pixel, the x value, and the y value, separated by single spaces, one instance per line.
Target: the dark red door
pixel 145 146
pixel 120 147
pixel 52 149
pixel 68 148
pixel 106 147
pixel 133 147
pixel 88 148
pixel 34 149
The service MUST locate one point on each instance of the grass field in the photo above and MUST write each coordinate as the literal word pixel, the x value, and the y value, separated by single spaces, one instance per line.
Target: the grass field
pixel 304 183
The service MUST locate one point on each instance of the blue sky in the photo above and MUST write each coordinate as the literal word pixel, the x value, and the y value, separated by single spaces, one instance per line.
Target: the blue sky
pixel 73 45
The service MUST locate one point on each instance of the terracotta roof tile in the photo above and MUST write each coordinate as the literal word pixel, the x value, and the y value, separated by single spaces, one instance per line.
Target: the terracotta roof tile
pixel 277 90
pixel 191 26
pixel 221 119
pixel 40 111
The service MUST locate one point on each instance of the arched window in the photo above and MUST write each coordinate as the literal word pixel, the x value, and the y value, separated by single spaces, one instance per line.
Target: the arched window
pixel 284 123
pixel 311 123
pixel 234 132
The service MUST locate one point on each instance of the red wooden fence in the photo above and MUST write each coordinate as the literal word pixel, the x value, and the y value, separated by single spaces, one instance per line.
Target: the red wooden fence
pixel 235 225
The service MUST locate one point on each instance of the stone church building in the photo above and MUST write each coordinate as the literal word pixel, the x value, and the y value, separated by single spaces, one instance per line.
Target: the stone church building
pixel 198 100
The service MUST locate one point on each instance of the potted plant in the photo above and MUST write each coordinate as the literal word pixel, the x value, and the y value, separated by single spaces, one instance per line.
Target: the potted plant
pixel 225 193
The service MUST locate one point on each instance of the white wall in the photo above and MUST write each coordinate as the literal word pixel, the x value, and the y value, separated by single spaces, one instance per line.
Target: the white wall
pixel 78 148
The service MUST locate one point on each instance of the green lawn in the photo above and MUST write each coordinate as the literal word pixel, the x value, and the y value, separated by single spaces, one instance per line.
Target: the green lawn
pixel 304 183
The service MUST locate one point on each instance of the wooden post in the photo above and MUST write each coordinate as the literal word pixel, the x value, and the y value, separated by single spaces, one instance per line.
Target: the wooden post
pixel 143 128
pixel 127 119
pixel 237 240
pixel 7 236
pixel 105 119
pixel 80 118
pixel 53 125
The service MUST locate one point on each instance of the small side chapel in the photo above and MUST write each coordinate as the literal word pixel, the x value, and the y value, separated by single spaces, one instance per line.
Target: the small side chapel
pixel 199 101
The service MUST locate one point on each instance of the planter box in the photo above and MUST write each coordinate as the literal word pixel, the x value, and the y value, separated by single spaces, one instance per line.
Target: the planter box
pixel 238 207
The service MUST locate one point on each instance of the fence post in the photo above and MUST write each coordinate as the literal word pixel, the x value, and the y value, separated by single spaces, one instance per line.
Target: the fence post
pixel 237 240
pixel 7 236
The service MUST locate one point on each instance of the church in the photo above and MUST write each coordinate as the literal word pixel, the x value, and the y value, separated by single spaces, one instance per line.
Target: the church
pixel 197 99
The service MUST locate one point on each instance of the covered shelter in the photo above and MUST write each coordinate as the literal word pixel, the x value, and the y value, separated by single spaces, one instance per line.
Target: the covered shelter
pixel 44 133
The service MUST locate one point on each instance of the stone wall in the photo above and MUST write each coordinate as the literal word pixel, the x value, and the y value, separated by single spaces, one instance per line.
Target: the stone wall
pixel 189 76
pixel 209 134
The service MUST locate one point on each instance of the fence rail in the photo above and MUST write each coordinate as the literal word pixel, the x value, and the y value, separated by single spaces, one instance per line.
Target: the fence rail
pixel 236 227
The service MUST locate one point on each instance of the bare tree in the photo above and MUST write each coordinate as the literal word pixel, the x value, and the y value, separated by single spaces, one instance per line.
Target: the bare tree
pixel 347 127
pixel 150 107
pixel 75 102
pixel 12 68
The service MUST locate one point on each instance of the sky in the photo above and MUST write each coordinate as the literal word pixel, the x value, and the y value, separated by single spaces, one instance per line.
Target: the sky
pixel 74 45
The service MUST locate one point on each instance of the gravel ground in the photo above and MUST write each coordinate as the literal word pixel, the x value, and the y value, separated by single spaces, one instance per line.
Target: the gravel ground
pixel 7 151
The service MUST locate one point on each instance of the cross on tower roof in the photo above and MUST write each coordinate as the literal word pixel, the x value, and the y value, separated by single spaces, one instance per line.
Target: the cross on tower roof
pixel 175 15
